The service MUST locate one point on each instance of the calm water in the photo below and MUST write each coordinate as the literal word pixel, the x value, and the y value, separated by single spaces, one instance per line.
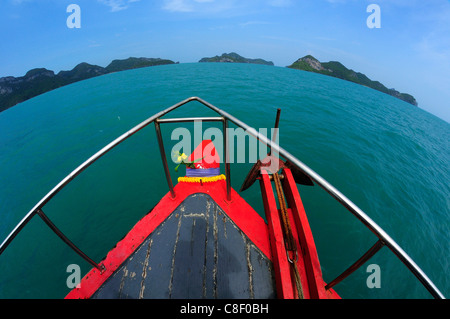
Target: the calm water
pixel 390 158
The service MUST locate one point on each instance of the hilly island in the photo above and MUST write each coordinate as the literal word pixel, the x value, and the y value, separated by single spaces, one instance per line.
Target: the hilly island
pixel 336 69
pixel 235 58
pixel 14 90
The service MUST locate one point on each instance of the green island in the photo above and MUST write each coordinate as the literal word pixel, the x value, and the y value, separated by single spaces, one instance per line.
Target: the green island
pixel 14 90
pixel 338 70
pixel 235 58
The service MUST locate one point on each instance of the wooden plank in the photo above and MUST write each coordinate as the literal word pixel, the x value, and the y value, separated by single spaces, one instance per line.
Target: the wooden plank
pixel 197 252
pixel 189 259
pixel 232 270
pixel 263 280
pixel 210 274
pixel 158 274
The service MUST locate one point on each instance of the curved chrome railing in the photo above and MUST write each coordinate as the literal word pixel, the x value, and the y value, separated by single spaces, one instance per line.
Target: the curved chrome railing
pixel 383 238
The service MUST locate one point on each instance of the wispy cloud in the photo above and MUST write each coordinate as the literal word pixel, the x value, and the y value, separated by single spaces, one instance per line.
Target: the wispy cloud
pixel 339 1
pixel 94 44
pixel 115 5
pixel 249 23
pixel 197 5
pixel 325 39
pixel 433 43
pixel 280 3
pixel 218 6
pixel 178 6
pixel 16 2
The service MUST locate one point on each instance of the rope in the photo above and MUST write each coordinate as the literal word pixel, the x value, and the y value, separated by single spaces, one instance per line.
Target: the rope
pixel 298 283
pixel 289 240
pixel 288 237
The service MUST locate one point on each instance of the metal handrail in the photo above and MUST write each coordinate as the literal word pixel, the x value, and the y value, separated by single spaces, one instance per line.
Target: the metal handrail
pixel 38 207
pixel 341 198
pixel 383 237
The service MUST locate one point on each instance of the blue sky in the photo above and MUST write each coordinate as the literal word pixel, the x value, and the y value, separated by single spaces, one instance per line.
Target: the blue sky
pixel 410 52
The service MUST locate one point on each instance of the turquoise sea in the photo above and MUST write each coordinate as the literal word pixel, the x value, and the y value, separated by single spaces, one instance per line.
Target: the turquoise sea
pixel 390 158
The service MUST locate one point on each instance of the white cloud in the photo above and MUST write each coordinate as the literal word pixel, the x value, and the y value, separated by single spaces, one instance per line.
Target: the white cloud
pixel 178 6
pixel 233 7
pixel 249 23
pixel 115 5
pixel 17 2
pixel 212 7
pixel 433 43
pixel 280 3
pixel 193 5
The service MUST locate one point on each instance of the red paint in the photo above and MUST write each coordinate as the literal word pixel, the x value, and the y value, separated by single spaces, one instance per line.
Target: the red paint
pixel 267 237
pixel 300 259
pixel 311 264
pixel 312 283
pixel 242 214
pixel 204 156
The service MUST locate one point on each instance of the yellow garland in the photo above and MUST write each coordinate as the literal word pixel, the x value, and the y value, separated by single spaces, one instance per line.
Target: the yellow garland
pixel 201 179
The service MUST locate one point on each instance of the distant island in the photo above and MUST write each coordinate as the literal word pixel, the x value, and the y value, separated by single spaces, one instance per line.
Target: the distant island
pixel 14 90
pixel 336 69
pixel 235 58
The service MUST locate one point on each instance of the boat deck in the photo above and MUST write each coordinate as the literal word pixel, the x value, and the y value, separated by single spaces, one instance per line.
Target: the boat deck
pixel 197 252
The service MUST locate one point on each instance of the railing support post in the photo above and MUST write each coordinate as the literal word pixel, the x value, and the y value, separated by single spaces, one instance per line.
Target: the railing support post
pixel 67 240
pixel 164 158
pixel 369 254
pixel 227 158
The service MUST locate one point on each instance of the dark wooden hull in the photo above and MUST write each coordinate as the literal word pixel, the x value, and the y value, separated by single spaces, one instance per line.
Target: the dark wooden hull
pixel 197 252
pixel 198 245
